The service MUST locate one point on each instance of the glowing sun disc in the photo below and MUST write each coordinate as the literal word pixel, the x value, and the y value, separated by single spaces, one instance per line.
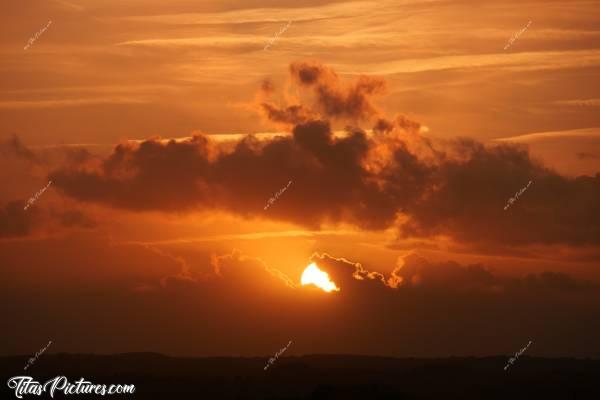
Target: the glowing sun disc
pixel 313 275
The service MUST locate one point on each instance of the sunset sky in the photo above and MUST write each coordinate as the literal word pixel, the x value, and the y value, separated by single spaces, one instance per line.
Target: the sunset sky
pixel 192 175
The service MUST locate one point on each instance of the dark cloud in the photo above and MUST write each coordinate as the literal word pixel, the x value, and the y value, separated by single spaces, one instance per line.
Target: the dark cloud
pixel 236 267
pixel 334 98
pixel 77 155
pixel 24 207
pixel 184 175
pixel 14 147
pixel 445 307
pixel 418 272
pixel 393 178
pixel 24 211
pixel 585 155
pixel 383 126
pixel 286 114
pixel 549 280
pixel 292 115
pixel 207 304
pixel 267 86
pixel 14 220
pixel 470 195
pixel 415 272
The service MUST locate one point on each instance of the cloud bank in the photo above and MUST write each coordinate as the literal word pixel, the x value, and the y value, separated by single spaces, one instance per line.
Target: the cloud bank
pixel 391 176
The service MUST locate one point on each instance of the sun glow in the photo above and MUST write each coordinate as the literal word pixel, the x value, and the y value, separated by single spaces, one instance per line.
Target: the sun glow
pixel 313 275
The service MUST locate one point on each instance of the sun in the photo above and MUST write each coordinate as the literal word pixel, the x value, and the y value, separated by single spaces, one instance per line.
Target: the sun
pixel 313 275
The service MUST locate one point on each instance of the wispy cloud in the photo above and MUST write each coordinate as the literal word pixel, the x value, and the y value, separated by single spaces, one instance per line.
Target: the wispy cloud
pixel 16 104
pixel 529 137
pixel 525 61
pixel 580 102
pixel 255 15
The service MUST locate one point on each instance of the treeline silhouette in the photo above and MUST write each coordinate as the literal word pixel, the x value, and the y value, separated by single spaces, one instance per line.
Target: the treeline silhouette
pixel 315 377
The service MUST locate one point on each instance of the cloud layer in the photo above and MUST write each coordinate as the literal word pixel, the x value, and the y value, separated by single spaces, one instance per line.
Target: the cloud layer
pixel 392 177
pixel 428 309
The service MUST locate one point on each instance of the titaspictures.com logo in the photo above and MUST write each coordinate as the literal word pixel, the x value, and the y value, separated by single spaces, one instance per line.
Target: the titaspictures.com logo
pixel 24 385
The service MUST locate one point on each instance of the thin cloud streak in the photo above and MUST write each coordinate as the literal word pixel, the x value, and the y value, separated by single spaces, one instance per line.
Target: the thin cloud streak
pixel 529 137
pixel 248 236
pixel 71 102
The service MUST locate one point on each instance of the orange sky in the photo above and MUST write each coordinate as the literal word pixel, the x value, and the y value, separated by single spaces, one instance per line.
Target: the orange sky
pixel 404 128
